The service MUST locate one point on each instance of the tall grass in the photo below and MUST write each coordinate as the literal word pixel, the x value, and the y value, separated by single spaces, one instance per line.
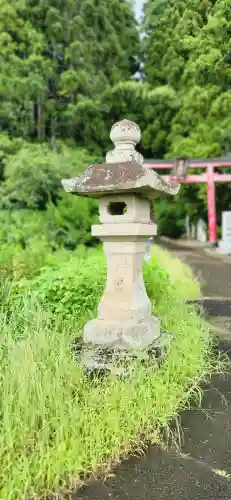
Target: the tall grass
pixel 187 284
pixel 55 423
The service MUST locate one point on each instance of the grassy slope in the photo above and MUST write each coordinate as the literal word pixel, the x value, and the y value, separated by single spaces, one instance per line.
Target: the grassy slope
pixel 54 422
pixel 189 287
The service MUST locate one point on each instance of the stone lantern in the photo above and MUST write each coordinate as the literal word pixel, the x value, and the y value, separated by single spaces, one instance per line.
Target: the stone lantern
pixel 126 191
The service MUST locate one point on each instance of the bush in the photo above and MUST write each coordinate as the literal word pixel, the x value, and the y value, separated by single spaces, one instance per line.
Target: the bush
pixel 67 224
pixel 8 147
pixel 72 288
pixel 32 177
pixel 170 219
pixel 18 227
pixel 32 201
pixel 17 263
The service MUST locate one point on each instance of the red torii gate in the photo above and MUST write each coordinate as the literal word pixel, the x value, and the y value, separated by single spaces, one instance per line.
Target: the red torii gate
pixel 210 177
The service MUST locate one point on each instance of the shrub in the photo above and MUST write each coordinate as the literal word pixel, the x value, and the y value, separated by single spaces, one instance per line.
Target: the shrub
pixel 67 224
pixel 170 218
pixel 8 147
pixel 72 288
pixel 17 263
pixel 32 177
pixel 18 227
pixel 32 201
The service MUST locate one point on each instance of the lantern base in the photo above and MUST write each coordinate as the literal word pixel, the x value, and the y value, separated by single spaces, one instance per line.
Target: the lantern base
pixel 100 360
pixel 132 334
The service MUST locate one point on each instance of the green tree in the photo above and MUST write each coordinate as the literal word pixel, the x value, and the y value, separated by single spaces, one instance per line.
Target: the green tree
pixel 23 69
pixel 56 54
pixel 187 49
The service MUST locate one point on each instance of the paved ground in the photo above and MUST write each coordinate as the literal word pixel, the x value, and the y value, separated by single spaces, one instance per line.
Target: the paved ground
pixel 214 273
pixel 202 469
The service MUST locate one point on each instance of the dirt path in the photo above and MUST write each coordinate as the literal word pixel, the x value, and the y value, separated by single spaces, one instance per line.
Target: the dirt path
pixel 202 469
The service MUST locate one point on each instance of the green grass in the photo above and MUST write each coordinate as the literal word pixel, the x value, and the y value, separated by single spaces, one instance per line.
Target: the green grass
pixel 189 286
pixel 55 423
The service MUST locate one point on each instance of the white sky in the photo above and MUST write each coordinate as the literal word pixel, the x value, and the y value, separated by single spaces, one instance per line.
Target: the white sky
pixel 138 8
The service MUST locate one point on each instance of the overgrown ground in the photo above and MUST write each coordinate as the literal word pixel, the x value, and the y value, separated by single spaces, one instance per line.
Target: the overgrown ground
pixel 56 425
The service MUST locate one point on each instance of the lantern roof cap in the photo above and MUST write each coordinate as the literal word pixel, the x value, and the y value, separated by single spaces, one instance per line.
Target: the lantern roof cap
pixel 123 171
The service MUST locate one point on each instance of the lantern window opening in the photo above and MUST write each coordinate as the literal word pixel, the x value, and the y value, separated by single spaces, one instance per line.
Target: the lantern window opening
pixel 117 208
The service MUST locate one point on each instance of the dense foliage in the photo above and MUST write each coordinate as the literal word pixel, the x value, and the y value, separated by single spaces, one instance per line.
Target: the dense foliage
pixel 69 70
pixel 55 55
pixel 187 49
pixel 32 201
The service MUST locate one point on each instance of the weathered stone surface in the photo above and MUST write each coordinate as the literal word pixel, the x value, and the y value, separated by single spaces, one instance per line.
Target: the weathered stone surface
pixel 225 244
pixel 123 171
pixel 125 177
pixel 131 334
pixel 124 312
pixel 201 231
pixel 134 230
pixel 125 135
pixel 100 359
pixel 124 208
pixel 126 190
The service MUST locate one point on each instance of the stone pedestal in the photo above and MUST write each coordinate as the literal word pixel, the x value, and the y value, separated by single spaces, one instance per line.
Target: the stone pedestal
pixel 124 312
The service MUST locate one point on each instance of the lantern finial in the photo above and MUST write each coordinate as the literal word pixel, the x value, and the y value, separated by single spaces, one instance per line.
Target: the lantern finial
pixel 125 135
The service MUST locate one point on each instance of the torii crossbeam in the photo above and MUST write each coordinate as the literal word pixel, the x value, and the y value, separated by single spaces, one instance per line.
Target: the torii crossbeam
pixel 210 177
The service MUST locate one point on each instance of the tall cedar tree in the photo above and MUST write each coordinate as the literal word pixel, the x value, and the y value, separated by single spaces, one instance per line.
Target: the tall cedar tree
pixel 55 53
pixel 187 47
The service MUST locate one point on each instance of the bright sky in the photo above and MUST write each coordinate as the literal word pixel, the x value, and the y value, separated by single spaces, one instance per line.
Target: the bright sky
pixel 138 8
